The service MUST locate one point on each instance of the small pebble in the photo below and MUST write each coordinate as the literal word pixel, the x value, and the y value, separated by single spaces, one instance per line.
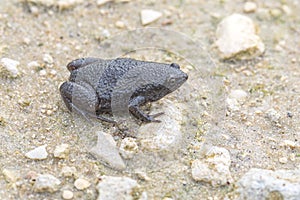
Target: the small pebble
pixel 250 7
pixel 128 148
pixel 102 2
pixel 61 151
pixel 46 183
pixel 42 72
pixel 289 143
pixel 81 184
pixel 39 153
pixel 106 33
pixel 292 157
pixel 67 194
pixel 33 64
pixel 67 171
pixel 148 16
pixel 120 24
pixel 283 160
pixel 10 175
pixel 286 10
pixel 26 41
pixel 53 72
pixel 275 12
pixel 10 67
pixel 47 58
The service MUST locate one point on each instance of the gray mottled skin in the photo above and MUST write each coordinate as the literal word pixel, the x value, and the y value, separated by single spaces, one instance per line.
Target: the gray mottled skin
pixel 123 84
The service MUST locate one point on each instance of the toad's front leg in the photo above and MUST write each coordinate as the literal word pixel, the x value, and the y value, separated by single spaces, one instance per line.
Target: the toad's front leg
pixel 138 113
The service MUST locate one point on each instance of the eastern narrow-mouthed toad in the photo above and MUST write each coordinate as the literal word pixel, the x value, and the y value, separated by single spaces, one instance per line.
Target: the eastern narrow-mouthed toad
pixel 96 85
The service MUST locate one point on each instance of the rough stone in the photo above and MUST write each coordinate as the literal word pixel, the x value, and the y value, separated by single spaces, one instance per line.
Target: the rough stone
pixel 39 153
pixel 250 7
pixel 67 171
pixel 61 4
pixel 268 184
pixel 148 16
pixel 9 67
pixel 128 148
pixel 273 115
pixel 81 184
pixel 67 194
pixel 10 175
pixel 47 58
pixel 111 187
pixel 237 38
pixel 213 168
pixel 61 151
pixel 106 151
pixel 235 99
pixel 46 183
pixel 166 135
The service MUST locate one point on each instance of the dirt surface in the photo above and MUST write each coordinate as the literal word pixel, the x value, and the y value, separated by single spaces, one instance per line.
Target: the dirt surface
pixel 32 113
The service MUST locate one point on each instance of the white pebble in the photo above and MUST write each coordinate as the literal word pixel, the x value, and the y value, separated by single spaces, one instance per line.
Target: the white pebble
pixel 61 151
pixel 42 72
pixel 102 2
pixel 46 183
pixel 111 187
pixel 286 10
pixel 283 160
pixel 81 184
pixel 33 64
pixel 39 153
pixel 239 95
pixel 10 176
pixel 128 148
pixel 11 66
pixel 120 24
pixel 148 16
pixel 250 7
pixel 67 194
pixel 67 171
pixel 47 58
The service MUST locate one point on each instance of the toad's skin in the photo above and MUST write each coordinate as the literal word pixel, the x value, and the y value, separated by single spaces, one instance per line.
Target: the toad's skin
pixel 96 86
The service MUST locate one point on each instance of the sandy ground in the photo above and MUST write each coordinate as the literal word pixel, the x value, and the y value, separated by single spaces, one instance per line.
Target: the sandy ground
pixel 32 112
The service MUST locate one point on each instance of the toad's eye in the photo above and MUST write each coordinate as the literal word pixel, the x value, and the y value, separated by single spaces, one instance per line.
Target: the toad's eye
pixel 175 65
pixel 172 80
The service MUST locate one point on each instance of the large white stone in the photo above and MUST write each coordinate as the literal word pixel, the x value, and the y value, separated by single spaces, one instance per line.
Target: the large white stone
pixel 166 135
pixel 268 184
pixel 213 168
pixel 237 38
pixel 107 152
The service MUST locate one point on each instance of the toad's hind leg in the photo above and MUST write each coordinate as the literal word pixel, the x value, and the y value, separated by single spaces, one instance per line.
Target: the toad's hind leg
pixel 82 100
